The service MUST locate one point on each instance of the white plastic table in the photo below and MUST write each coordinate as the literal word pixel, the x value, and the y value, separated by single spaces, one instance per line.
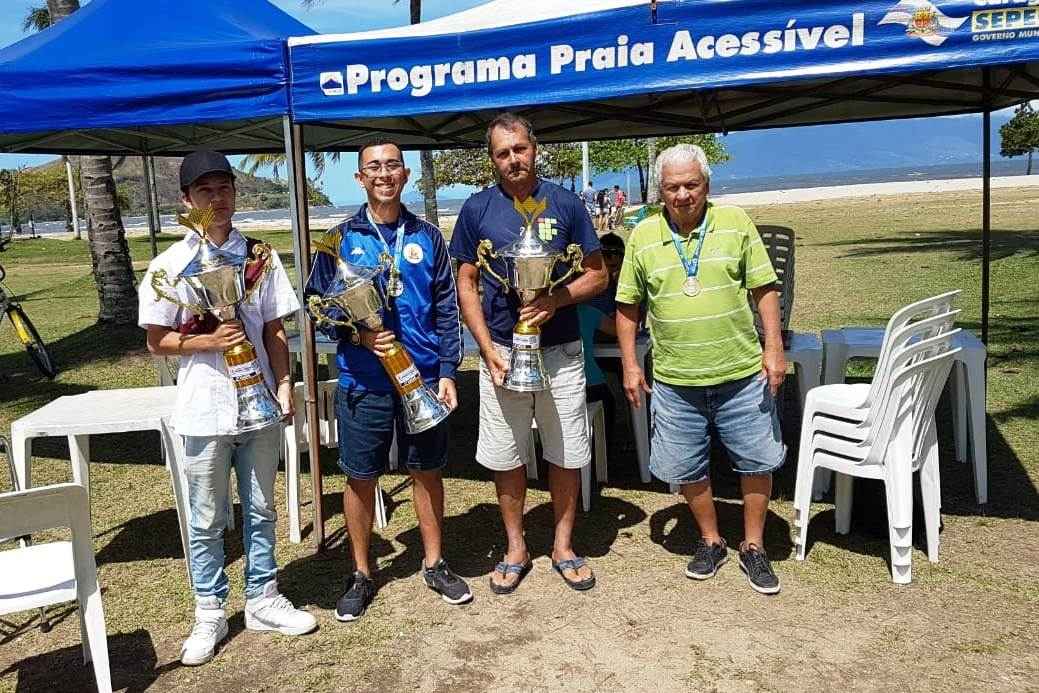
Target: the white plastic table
pixel 77 417
pixel 967 387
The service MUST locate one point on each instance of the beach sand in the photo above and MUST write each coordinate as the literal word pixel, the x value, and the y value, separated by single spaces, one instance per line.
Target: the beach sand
pixel 749 199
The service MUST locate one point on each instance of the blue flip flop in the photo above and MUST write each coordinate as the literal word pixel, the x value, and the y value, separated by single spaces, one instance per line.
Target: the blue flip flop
pixel 573 564
pixel 520 569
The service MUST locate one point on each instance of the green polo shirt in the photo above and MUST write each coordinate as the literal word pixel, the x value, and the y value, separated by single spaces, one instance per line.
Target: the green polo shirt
pixel 709 338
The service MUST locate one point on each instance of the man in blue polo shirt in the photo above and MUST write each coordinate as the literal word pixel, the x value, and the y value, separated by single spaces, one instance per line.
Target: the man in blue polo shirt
pixel 505 416
pixel 423 315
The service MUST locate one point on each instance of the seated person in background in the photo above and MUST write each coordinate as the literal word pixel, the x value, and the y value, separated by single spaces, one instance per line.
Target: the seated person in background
pixel 597 321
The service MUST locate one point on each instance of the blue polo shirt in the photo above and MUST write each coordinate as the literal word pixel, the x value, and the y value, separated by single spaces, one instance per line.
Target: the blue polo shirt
pixel 491 214
pixel 424 317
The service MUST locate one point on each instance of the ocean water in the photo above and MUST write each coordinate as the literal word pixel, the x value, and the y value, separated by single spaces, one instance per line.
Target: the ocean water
pixel 719 185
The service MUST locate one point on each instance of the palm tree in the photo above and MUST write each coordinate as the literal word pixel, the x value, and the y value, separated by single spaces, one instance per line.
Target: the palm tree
pixel 319 160
pixel 109 254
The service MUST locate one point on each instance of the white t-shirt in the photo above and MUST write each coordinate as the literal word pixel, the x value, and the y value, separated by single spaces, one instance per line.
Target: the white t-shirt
pixel 206 399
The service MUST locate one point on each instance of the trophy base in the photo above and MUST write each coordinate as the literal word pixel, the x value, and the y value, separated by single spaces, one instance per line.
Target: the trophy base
pixel 526 372
pixel 422 410
pixel 257 408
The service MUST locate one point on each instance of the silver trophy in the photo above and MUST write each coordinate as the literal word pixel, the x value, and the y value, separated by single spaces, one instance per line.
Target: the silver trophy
pixel 215 281
pixel 359 296
pixel 529 263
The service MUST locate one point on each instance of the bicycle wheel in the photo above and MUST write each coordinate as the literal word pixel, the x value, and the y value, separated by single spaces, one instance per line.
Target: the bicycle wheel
pixel 31 339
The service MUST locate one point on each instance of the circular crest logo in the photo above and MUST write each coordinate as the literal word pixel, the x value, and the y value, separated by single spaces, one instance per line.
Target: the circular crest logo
pixel 413 253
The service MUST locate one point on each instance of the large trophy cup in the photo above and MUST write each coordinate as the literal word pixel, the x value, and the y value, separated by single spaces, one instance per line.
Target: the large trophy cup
pixel 529 263
pixel 216 284
pixel 358 295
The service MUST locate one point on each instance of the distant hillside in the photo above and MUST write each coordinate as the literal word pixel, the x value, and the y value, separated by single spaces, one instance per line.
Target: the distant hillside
pixel 254 192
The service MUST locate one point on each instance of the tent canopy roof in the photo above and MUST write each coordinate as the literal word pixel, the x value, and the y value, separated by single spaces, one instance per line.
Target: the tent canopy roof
pixel 162 77
pixel 715 67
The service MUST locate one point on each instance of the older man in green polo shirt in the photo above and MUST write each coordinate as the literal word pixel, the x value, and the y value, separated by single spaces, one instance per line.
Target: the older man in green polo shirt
pixel 692 266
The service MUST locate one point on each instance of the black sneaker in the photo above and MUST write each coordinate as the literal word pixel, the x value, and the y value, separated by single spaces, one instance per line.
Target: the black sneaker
pixel 359 594
pixel 451 588
pixel 706 560
pixel 755 564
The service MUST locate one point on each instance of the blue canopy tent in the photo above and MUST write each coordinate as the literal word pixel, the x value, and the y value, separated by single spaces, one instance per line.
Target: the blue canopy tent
pixel 162 77
pixel 628 68
pixel 604 69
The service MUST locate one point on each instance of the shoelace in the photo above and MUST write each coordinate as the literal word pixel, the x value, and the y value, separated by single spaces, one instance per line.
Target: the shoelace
pixel 703 551
pixel 280 603
pixel 759 560
pixel 204 629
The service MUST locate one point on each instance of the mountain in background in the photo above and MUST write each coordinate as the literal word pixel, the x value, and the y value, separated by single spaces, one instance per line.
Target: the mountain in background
pixel 253 192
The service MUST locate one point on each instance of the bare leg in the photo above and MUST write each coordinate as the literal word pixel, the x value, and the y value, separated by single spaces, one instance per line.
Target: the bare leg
pixel 757 489
pixel 512 497
pixel 565 485
pixel 359 507
pixel 700 498
pixel 428 493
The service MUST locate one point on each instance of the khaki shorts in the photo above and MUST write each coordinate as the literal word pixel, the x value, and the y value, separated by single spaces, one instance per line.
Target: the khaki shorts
pixel 561 414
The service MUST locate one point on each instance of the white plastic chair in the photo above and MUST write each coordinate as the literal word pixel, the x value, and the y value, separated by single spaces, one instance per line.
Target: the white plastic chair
pixel 920 320
pixel 55 572
pixel 295 444
pixel 596 436
pixel 896 437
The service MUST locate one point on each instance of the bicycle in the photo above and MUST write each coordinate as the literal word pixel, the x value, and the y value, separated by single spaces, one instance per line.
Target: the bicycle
pixel 23 327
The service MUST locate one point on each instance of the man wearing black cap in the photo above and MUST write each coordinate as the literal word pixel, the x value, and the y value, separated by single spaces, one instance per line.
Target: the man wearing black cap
pixel 205 414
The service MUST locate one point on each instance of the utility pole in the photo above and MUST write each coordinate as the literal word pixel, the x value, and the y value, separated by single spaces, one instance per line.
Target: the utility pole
pixel 585 172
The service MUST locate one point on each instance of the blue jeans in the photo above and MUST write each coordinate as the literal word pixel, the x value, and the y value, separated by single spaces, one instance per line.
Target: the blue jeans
pixel 207 467
pixel 742 413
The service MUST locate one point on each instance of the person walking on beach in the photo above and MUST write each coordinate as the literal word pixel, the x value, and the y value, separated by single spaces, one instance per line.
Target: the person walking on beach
pixel 206 414
pixel 692 264
pixel 560 411
pixel 423 315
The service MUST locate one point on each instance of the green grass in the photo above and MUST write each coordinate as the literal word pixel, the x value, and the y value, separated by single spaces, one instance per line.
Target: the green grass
pixel 968 620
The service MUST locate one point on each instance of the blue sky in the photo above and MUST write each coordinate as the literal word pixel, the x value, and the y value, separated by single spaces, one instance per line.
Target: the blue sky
pixel 959 135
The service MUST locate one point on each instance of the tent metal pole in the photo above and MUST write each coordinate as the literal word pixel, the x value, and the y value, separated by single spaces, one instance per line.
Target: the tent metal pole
pixel 297 172
pixel 146 169
pixel 986 212
pixel 585 169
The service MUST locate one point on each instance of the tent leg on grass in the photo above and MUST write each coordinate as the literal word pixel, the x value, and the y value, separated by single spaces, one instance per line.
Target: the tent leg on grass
pixel 297 172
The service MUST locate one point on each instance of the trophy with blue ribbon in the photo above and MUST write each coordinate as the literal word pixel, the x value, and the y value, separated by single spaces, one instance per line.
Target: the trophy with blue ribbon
pixel 358 295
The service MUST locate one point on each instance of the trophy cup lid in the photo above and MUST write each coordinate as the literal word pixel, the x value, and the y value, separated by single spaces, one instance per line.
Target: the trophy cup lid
pixel 350 275
pixel 209 258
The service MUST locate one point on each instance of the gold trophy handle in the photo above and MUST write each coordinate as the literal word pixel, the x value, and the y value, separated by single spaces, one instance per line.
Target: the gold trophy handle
pixel 160 280
pixel 484 250
pixel 316 306
pixel 262 254
pixel 575 257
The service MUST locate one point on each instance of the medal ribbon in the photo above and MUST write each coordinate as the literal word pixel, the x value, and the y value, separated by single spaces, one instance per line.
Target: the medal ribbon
pixel 398 251
pixel 692 265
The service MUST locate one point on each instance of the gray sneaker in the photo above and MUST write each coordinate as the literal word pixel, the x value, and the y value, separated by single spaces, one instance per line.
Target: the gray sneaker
pixel 442 580
pixel 706 560
pixel 758 569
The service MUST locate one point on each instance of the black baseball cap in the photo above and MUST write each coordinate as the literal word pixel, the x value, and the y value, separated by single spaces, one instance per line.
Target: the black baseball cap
pixel 197 164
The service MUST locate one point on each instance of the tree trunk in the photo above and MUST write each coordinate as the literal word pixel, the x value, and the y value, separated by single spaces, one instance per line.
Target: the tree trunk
pixel 416 11
pixel 109 254
pixel 1029 172
pixel 642 182
pixel 429 188
pixel 652 185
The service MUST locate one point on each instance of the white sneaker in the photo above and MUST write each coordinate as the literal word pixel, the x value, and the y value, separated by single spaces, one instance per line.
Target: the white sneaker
pixel 209 629
pixel 272 611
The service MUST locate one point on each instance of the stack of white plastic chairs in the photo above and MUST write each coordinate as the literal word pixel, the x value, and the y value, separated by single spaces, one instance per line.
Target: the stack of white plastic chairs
pixel 884 430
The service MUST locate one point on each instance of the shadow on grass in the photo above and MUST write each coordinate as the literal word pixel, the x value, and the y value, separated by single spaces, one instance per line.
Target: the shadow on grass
pixel 473 542
pixel 674 530
pixel 132 659
pixel 1005 243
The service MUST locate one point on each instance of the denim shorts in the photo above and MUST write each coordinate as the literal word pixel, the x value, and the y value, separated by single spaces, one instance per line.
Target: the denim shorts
pixel 366 427
pixel 742 413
